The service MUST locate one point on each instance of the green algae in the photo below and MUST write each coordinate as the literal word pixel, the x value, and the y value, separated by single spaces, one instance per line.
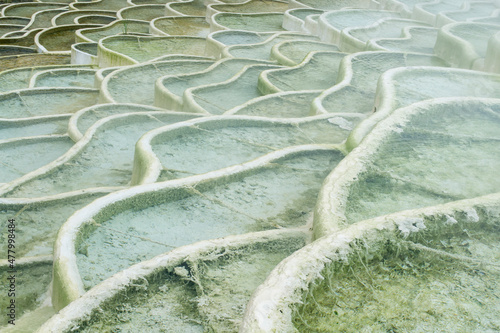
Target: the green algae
pixel 206 291
pixel 439 279
pixel 32 282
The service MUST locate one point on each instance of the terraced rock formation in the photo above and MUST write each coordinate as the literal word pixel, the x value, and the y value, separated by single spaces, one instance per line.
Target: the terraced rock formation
pixel 251 166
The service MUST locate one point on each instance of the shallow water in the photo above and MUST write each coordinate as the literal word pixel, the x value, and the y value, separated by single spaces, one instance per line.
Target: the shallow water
pixel 43 18
pixel 297 50
pixel 117 28
pixel 215 99
pixel 442 156
pixel 329 5
pixel 113 5
pixel 14 20
pixel 47 216
pixel 421 41
pixel 29 103
pixel 10 130
pixel 487 20
pixel 280 106
pixel 5 29
pixel 82 78
pixel 282 195
pixel 90 48
pixel 95 19
pixel 387 29
pixel 19 78
pixel 70 16
pixel 263 51
pixel 36 153
pixel 188 26
pixel 193 7
pixel 339 101
pixel 436 8
pixel 229 37
pixel 475 34
pixel 367 67
pixel 144 13
pixel 59 39
pixel 27 10
pixel 143 49
pixel 144 78
pixel 475 10
pixel 92 115
pixel 416 86
pixel 255 22
pixel 357 17
pixel 319 73
pixel 92 167
pixel 430 161
pixel 303 13
pixel 251 7
pixel 223 71
pixel 181 153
